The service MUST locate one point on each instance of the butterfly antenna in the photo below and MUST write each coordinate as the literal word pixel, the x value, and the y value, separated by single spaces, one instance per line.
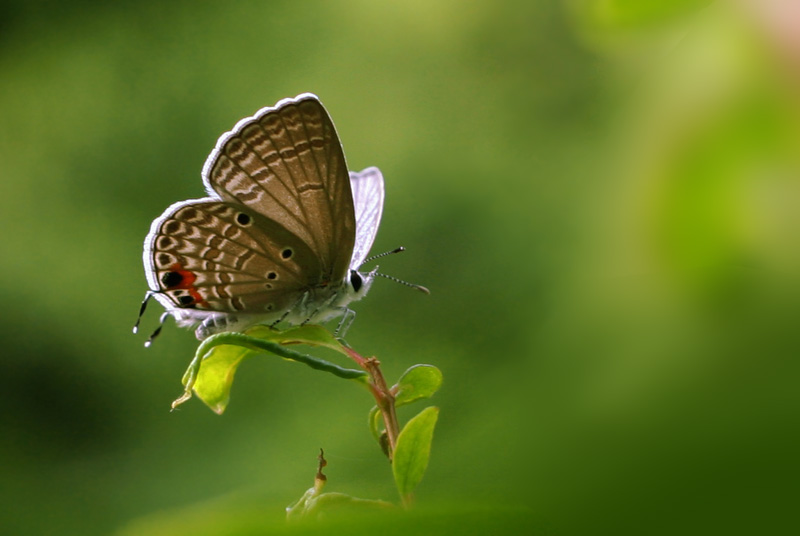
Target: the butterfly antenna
pixel 392 278
pixel 379 255
pixel 406 283
pixel 141 310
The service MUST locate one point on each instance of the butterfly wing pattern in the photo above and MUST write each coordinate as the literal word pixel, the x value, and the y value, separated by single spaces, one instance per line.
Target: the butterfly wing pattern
pixel 287 163
pixel 275 239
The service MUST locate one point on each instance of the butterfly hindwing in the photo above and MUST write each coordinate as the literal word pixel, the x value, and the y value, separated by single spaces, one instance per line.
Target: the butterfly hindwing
pixel 286 163
pixel 211 255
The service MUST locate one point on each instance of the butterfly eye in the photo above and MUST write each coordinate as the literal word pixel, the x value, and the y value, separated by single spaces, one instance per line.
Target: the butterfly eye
pixel 356 280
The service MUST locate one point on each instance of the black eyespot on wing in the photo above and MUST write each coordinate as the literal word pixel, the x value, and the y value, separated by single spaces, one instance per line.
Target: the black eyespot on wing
pixel 243 219
pixel 171 279
pixel 272 275
pixel 186 300
pixel 356 280
pixel 287 253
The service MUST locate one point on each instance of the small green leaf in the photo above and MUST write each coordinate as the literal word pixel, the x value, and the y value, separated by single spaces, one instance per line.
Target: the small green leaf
pixel 298 509
pixel 334 502
pixel 375 422
pixel 210 374
pixel 413 451
pixel 376 426
pixel 419 381
pixel 215 377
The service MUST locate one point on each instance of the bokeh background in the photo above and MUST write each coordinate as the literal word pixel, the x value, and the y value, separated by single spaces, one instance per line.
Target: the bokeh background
pixel 602 195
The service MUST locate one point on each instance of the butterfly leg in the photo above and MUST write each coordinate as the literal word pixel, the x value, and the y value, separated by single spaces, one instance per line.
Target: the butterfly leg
pixel 147 296
pixel 280 318
pixel 155 333
pixel 299 303
pixel 347 320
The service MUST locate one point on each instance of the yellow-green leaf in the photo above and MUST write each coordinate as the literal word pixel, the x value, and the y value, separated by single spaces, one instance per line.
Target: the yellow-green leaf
pixel 210 374
pixel 413 451
pixel 215 377
pixel 419 381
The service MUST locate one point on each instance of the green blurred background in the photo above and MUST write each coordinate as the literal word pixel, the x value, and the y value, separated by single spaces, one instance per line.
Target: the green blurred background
pixel 602 195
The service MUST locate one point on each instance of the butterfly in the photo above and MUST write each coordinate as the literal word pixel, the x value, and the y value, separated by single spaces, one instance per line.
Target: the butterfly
pixel 281 235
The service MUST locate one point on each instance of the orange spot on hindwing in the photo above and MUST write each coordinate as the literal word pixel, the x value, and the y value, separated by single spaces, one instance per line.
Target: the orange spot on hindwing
pixel 179 279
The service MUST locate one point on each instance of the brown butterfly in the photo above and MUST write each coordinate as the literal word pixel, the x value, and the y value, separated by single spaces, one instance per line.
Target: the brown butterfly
pixel 282 234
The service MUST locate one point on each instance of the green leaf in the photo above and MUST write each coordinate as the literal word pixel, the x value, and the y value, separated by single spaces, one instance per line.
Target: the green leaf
pixel 413 451
pixel 215 377
pixel 299 508
pixel 250 512
pixel 375 423
pixel 329 503
pixel 376 426
pixel 211 372
pixel 419 381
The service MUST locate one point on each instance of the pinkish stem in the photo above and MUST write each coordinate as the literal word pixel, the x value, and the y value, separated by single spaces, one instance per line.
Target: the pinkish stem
pixel 384 398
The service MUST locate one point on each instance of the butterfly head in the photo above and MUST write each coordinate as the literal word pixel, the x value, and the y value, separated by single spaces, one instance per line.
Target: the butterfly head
pixel 359 283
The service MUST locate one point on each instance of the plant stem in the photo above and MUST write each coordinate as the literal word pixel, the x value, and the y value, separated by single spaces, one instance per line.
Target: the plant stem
pixel 384 398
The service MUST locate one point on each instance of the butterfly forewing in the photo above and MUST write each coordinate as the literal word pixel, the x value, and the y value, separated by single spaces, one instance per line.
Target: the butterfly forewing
pixel 216 256
pixel 287 165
